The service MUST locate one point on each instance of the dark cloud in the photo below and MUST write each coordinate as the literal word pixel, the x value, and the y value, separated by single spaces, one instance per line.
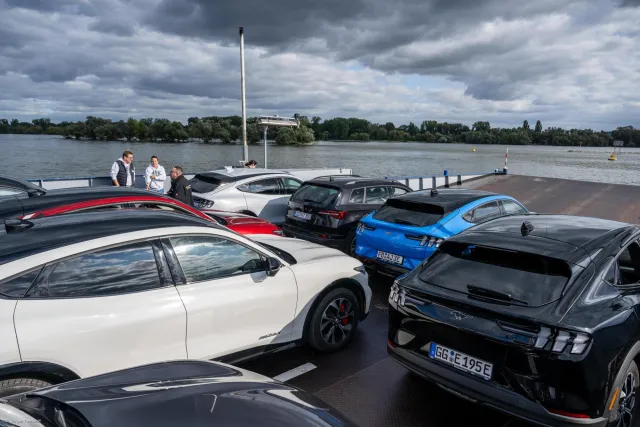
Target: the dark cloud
pixel 628 3
pixel 71 6
pixel 116 25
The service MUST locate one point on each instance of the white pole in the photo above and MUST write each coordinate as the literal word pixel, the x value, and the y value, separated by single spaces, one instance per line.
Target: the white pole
pixel 265 147
pixel 506 157
pixel 244 108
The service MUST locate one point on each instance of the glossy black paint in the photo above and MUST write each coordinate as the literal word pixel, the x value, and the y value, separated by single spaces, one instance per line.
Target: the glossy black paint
pixel 184 393
pixel 21 185
pixel 325 229
pixel 529 381
pixel 22 204
pixel 449 199
pixel 53 232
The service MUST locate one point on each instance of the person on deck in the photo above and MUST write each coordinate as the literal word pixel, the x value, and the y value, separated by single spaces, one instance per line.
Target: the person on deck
pixel 251 164
pixel 123 173
pixel 155 176
pixel 180 186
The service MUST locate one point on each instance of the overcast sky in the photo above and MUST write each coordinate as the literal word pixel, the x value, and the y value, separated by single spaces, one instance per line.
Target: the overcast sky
pixel 569 63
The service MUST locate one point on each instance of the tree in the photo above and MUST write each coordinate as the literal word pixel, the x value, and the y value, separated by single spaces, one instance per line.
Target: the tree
pixel 253 133
pixel 538 126
pixel 525 125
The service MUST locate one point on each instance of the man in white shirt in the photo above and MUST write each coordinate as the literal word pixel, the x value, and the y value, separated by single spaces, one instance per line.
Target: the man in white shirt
pixel 155 176
pixel 123 174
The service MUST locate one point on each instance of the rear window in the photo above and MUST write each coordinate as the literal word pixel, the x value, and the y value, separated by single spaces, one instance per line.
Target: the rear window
pixel 316 195
pixel 205 183
pixel 495 274
pixel 409 213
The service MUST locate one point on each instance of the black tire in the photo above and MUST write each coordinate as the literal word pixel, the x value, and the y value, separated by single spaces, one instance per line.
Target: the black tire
pixel 20 385
pixel 342 304
pixel 349 247
pixel 626 402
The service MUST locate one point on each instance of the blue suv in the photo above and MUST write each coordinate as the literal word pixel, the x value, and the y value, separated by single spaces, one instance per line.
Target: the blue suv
pixel 407 229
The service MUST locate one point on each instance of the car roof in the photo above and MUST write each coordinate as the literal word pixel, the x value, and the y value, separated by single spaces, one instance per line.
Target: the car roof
pixel 237 174
pixel 575 230
pixel 448 199
pixel 7 181
pixel 43 234
pixel 346 181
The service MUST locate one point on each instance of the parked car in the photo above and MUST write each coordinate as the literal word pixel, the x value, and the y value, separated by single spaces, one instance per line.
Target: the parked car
pixel 243 224
pixel 176 393
pixel 12 186
pixel 409 228
pixel 256 192
pixel 94 292
pixel 535 315
pixel 327 210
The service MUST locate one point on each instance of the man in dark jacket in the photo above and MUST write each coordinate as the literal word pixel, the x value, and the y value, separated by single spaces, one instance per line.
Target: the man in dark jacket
pixel 123 174
pixel 180 186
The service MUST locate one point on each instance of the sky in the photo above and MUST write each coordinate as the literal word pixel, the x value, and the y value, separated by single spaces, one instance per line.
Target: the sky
pixel 568 63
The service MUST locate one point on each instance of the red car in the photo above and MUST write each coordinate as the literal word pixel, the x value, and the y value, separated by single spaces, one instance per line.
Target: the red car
pixel 239 223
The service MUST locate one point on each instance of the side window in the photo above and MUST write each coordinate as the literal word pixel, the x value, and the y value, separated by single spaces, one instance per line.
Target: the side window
pixel 626 269
pixel 377 195
pixel 208 258
pixel 290 185
pixel 483 213
pixel 357 196
pixel 512 208
pixel 18 286
pixel 396 191
pixel 125 269
pixel 263 186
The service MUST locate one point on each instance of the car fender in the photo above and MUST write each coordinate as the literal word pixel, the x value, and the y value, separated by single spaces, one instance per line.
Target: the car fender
pixel 46 371
pixel 632 354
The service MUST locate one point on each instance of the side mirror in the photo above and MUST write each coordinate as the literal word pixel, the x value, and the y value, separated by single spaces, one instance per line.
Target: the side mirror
pixel 273 266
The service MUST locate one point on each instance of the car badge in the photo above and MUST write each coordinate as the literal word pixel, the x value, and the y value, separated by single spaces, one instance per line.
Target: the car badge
pixel 459 316
pixel 388 233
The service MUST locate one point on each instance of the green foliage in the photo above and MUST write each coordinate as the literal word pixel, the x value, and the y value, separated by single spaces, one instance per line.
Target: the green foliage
pixel 294 136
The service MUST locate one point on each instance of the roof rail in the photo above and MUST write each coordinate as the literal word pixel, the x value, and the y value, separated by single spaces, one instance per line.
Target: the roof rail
pixel 331 177
pixel 15 225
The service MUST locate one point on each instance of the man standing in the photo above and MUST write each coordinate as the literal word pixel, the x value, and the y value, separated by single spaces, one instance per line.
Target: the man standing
pixel 180 186
pixel 123 174
pixel 155 176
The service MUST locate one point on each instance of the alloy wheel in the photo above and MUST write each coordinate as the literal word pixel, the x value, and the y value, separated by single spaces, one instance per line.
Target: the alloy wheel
pixel 627 401
pixel 352 247
pixel 337 321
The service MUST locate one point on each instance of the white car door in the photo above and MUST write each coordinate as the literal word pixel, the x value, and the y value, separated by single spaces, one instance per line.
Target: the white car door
pixel 232 303
pixel 264 198
pixel 104 310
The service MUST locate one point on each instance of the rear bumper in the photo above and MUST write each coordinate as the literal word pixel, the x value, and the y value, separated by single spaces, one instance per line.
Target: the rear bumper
pixel 476 391
pixel 335 242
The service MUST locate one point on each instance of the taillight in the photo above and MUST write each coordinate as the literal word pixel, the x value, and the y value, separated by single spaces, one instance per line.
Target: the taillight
pixel 568 414
pixel 426 240
pixel 334 214
pixel 560 339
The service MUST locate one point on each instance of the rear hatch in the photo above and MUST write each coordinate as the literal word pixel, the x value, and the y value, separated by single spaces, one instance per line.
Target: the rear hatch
pixel 402 229
pixel 208 182
pixel 313 208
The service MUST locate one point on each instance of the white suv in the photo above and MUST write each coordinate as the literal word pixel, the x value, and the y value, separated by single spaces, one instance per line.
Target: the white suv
pixel 257 192
pixel 89 293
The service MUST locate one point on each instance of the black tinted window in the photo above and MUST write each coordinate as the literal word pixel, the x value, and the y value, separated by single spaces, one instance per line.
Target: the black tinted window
pixel 627 266
pixel 125 269
pixel 357 196
pixel 205 184
pixel 263 186
pixel 377 195
pixel 396 191
pixel 512 208
pixel 409 213
pixel 290 185
pixel 317 195
pixel 207 258
pixel 18 286
pixel 483 213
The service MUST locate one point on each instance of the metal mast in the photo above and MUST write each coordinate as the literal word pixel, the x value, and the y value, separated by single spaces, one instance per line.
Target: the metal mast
pixel 244 108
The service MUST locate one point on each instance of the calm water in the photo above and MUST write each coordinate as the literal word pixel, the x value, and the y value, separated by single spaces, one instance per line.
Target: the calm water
pixel 40 156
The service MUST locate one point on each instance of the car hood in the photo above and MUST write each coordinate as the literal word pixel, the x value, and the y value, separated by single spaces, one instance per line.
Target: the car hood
pixel 301 250
pixel 188 393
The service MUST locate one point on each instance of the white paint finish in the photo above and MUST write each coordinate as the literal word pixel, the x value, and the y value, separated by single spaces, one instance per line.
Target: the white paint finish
pixel 95 335
pixel 232 314
pixel 295 372
pixel 9 352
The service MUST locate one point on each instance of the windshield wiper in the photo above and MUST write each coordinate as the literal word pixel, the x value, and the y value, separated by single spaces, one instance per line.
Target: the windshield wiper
pixel 402 221
pixel 489 293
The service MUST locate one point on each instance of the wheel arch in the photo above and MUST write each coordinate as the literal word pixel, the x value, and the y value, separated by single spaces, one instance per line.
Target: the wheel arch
pixel 44 371
pixel 347 283
pixel 632 355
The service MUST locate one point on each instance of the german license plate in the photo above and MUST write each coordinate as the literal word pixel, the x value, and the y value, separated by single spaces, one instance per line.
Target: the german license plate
pixel 302 215
pixel 461 361
pixel 386 256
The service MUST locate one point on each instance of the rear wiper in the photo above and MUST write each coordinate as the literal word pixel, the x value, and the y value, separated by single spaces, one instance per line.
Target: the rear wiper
pixel 402 221
pixel 488 293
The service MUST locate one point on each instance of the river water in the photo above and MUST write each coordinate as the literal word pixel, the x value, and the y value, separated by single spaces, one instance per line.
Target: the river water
pixel 41 156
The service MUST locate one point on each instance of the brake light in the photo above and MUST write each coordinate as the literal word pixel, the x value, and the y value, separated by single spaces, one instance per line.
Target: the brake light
pixel 426 240
pixel 569 414
pixel 561 339
pixel 334 214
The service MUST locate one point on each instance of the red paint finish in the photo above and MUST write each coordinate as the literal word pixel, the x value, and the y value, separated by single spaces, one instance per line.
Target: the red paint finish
pixel 244 224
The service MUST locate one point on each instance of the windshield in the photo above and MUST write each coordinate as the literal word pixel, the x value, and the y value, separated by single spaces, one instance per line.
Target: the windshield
pixel 496 274
pixel 409 213
pixel 206 183
pixel 317 195
pixel 282 254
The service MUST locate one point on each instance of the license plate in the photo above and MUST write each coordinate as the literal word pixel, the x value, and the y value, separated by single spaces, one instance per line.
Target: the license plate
pixel 461 361
pixel 302 215
pixel 385 256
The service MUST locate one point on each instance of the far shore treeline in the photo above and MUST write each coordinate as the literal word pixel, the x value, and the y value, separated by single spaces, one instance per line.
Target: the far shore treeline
pixel 228 130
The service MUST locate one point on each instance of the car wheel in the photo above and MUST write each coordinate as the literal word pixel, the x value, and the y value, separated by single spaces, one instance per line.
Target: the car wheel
pixel 623 413
pixel 20 385
pixel 350 244
pixel 334 320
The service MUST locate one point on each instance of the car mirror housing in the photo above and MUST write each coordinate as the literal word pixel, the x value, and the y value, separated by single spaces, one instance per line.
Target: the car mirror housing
pixel 273 266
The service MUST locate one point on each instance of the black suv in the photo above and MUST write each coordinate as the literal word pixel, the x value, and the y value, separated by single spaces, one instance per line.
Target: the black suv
pixel 535 315
pixel 327 210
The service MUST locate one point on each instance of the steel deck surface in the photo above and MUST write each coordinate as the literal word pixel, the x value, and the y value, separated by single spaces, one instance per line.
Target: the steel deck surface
pixel 373 390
